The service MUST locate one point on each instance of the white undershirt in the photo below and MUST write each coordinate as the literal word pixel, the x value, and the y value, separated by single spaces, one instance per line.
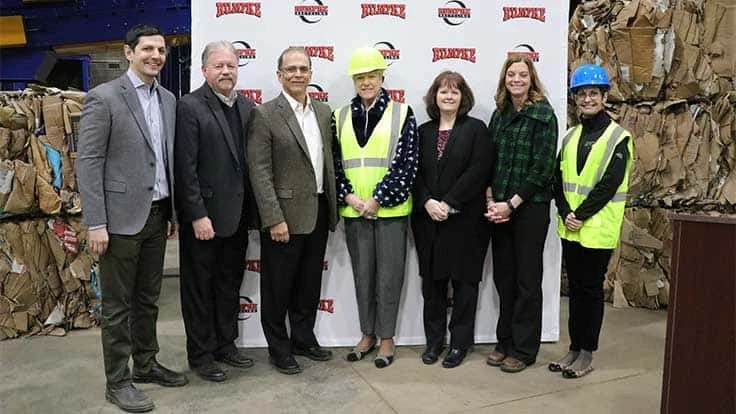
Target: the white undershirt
pixel 307 120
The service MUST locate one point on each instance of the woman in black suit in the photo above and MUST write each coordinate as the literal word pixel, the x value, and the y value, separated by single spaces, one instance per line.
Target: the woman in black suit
pixel 450 232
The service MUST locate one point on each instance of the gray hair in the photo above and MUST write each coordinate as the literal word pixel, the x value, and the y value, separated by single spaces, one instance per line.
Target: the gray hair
pixel 293 49
pixel 217 45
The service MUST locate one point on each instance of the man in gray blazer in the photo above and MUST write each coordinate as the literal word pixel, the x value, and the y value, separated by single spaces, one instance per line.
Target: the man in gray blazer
pixel 125 172
pixel 293 179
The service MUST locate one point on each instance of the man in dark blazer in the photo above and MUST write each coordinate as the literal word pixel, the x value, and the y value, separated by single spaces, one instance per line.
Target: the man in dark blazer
pixel 293 177
pixel 212 195
pixel 125 175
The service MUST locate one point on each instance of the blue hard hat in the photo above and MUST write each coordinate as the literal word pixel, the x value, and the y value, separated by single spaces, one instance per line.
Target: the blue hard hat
pixel 589 75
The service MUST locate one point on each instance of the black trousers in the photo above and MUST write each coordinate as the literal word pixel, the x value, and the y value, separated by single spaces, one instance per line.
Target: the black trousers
pixel 211 275
pixel 518 246
pixel 462 320
pixel 130 280
pixel 586 272
pixel 291 281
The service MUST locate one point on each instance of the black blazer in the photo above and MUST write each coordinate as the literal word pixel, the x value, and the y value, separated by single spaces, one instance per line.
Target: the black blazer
pixel 211 172
pixel 456 247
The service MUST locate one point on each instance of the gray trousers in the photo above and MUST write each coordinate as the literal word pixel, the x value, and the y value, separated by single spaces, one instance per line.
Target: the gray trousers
pixel 377 252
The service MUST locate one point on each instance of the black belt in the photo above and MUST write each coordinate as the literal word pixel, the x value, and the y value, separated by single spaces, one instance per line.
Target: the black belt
pixel 164 202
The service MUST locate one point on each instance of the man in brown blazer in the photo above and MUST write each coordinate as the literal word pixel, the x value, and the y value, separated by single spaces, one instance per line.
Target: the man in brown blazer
pixel 293 179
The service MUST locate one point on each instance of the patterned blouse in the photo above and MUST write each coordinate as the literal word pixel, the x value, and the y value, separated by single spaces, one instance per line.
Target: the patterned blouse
pixel 442 137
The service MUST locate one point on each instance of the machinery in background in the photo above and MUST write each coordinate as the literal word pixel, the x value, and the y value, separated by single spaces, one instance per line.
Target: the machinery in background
pixel 77 43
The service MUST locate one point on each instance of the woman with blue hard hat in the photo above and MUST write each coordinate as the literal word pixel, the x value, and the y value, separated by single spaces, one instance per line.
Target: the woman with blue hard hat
pixel 591 186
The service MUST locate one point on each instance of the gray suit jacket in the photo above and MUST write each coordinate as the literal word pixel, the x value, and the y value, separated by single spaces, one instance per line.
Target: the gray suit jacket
pixel 116 165
pixel 281 171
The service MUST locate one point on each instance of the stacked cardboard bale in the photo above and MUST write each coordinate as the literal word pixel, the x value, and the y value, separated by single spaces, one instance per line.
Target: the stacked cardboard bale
pixel 46 278
pixel 672 66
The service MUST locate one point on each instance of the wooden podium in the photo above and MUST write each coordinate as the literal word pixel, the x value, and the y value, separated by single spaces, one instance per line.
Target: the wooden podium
pixel 700 353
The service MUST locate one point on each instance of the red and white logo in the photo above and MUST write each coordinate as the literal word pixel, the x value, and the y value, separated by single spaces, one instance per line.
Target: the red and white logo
pixel 230 7
pixel 316 93
pixel 326 305
pixel 463 53
pixel 397 95
pixel 311 11
pixel 526 50
pixel 389 52
pixel 256 96
pixel 322 52
pixel 244 52
pixel 386 9
pixel 536 13
pixel 247 308
pixel 454 12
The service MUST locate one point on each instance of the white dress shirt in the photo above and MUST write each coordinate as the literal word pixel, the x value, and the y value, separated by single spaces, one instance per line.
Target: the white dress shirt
pixel 307 120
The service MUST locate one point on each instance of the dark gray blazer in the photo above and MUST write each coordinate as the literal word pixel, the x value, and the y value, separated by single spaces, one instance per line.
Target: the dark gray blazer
pixel 116 164
pixel 211 168
pixel 281 171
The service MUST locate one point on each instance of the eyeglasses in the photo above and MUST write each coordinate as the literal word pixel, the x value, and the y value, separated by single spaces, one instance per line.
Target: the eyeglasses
pixel 590 93
pixel 292 70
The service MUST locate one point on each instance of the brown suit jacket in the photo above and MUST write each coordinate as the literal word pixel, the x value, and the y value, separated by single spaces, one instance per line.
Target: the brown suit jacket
pixel 281 171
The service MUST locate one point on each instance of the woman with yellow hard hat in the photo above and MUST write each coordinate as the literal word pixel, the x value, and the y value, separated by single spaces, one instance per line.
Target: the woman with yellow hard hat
pixel 375 164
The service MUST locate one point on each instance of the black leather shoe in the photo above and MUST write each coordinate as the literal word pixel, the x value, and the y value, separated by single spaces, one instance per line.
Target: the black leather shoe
pixel 234 359
pixel 454 358
pixel 431 354
pixel 129 398
pixel 285 364
pixel 209 372
pixel 315 353
pixel 159 374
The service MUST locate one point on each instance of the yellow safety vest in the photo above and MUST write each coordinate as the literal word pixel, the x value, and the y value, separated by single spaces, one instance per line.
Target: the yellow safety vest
pixel 602 230
pixel 365 167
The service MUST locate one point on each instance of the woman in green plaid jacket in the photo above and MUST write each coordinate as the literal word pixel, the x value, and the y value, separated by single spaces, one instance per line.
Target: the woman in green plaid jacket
pixel 523 129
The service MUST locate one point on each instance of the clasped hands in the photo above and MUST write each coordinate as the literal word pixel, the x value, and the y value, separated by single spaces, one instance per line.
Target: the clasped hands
pixel 366 208
pixel 497 211
pixel 437 210
pixel 572 223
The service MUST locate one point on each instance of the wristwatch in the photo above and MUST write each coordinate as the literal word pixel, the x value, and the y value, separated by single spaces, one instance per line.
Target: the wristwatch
pixel 511 206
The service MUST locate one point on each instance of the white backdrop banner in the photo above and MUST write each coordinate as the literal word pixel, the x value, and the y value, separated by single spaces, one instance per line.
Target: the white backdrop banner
pixel 419 39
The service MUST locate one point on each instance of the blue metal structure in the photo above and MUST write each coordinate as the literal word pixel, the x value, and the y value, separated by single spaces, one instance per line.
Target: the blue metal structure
pixel 89 21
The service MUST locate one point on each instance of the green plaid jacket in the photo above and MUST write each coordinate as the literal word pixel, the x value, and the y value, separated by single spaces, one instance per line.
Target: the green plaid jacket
pixel 526 145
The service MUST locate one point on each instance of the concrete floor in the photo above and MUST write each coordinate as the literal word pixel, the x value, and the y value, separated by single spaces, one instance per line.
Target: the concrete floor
pixel 65 375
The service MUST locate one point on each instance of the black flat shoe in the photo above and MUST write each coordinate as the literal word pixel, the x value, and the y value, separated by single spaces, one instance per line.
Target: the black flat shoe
pixel 315 353
pixel 357 354
pixel 384 360
pixel 209 372
pixel 431 354
pixel 454 358
pixel 159 374
pixel 285 365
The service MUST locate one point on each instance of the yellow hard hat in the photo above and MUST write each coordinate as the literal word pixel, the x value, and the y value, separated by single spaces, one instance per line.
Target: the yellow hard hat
pixel 364 60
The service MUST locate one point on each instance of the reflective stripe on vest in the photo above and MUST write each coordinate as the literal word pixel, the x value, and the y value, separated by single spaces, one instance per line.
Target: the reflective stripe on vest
pixel 394 140
pixel 602 230
pixel 365 167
